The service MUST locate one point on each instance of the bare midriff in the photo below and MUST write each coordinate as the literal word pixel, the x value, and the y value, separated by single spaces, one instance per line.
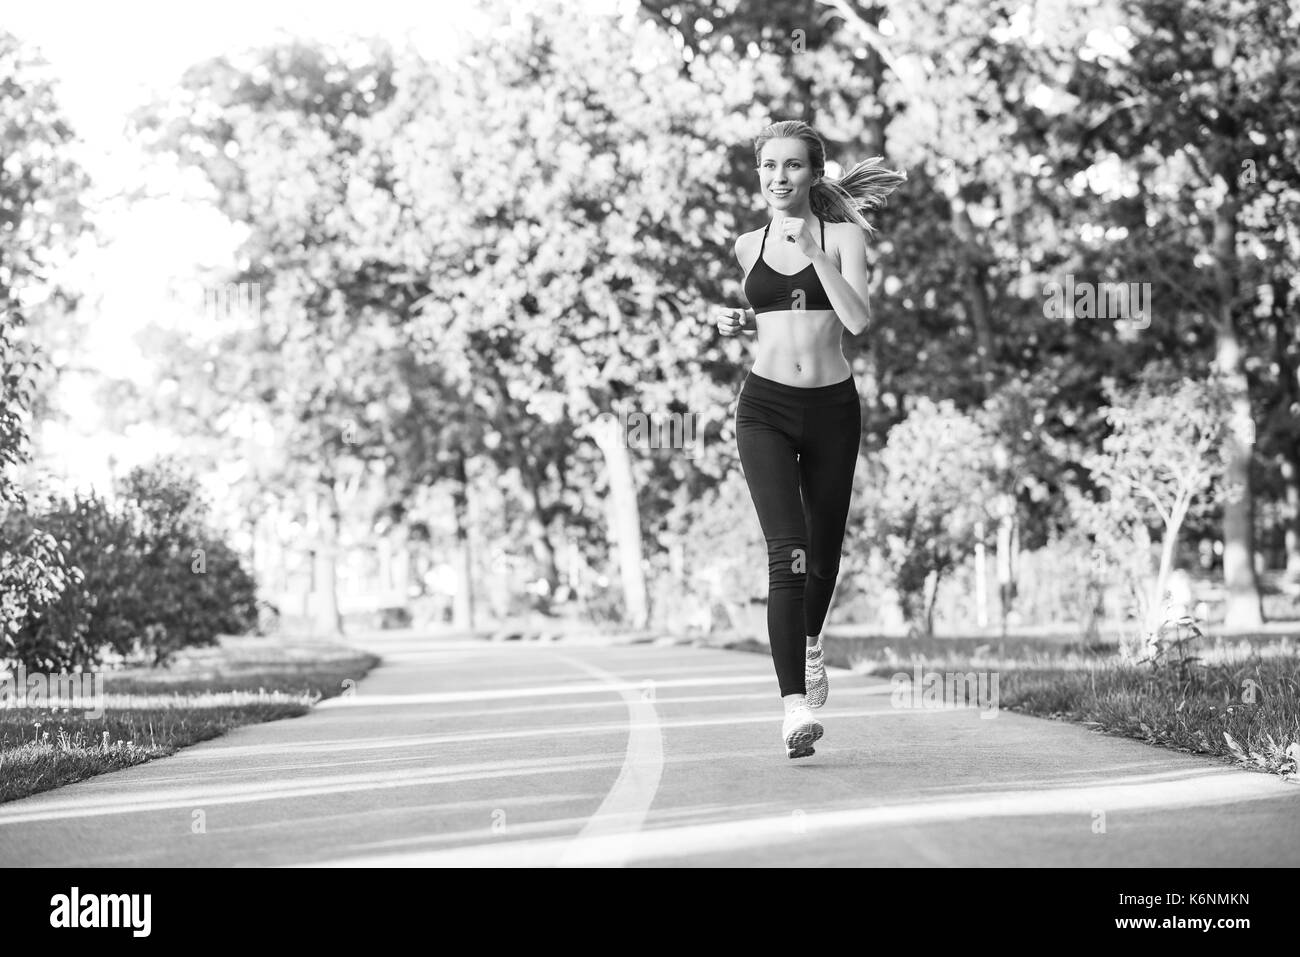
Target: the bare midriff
pixel 801 347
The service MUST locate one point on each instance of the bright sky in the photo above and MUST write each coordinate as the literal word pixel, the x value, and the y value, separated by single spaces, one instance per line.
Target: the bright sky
pixel 105 59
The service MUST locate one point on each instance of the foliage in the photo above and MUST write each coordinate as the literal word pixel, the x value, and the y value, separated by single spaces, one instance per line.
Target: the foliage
pixel 722 548
pixel 42 216
pixel 600 171
pixel 934 476
pixel 1163 456
pixel 1165 448
pixel 32 569
pixel 151 577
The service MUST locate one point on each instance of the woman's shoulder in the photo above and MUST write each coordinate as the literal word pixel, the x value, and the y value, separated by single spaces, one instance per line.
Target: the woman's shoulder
pixel 841 227
pixel 746 246
pixel 846 234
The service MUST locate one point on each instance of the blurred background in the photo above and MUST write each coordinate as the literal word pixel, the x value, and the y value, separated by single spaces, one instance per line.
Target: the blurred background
pixel 318 317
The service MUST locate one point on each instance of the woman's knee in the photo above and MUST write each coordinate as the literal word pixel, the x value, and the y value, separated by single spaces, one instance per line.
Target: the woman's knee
pixel 825 566
pixel 787 563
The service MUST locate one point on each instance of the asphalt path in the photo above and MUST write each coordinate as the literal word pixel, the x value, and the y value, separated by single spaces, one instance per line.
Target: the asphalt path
pixel 464 752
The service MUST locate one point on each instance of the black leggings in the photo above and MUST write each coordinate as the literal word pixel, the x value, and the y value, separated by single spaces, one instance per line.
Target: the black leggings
pixel 798 450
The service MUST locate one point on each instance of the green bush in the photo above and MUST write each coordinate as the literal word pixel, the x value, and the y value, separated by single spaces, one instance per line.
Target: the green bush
pixel 32 570
pixel 930 488
pixel 154 577
pixel 64 630
pixel 197 587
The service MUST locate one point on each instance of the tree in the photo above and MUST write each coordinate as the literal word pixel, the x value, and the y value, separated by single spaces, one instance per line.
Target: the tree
pixel 934 476
pixel 1165 451
pixel 41 218
pixel 593 224
pixel 1207 87
pixel 1021 419
pixel 33 570
pixel 277 135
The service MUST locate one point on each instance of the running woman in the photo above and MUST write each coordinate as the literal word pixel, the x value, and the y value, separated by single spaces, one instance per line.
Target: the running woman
pixel 798 420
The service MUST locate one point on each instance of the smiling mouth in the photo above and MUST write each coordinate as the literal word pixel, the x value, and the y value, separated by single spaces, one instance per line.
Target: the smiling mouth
pixel 780 192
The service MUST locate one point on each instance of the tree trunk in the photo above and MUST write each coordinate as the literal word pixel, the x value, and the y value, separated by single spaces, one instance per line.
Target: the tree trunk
pixel 1291 481
pixel 1289 460
pixel 1006 562
pixel 930 603
pixel 540 536
pixel 973 272
pixel 1156 610
pixel 326 620
pixel 1243 607
pixel 1290 397
pixel 625 518
pixel 873 65
pixel 463 606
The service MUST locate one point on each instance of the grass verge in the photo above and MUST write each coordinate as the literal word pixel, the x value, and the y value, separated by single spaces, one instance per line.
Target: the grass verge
pixel 1236 700
pixel 151 713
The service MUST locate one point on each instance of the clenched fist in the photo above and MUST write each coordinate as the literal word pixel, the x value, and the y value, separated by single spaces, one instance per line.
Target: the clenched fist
pixel 729 321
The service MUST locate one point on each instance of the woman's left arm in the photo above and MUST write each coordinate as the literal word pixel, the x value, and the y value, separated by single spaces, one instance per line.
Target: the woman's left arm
pixel 847 291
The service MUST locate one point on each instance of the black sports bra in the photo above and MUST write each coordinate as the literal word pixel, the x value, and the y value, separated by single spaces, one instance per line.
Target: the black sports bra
pixel 770 291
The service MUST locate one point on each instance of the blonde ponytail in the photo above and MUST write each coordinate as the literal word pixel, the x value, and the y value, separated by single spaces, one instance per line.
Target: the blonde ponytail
pixel 866 186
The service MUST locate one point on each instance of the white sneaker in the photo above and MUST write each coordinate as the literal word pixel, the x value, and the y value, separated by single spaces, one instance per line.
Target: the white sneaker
pixel 799 732
pixel 814 676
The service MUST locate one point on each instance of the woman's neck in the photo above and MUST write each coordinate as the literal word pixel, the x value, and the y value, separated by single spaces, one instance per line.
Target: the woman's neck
pixel 803 213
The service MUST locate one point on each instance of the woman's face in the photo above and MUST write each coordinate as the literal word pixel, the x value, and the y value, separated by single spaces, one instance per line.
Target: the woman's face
pixel 784 174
